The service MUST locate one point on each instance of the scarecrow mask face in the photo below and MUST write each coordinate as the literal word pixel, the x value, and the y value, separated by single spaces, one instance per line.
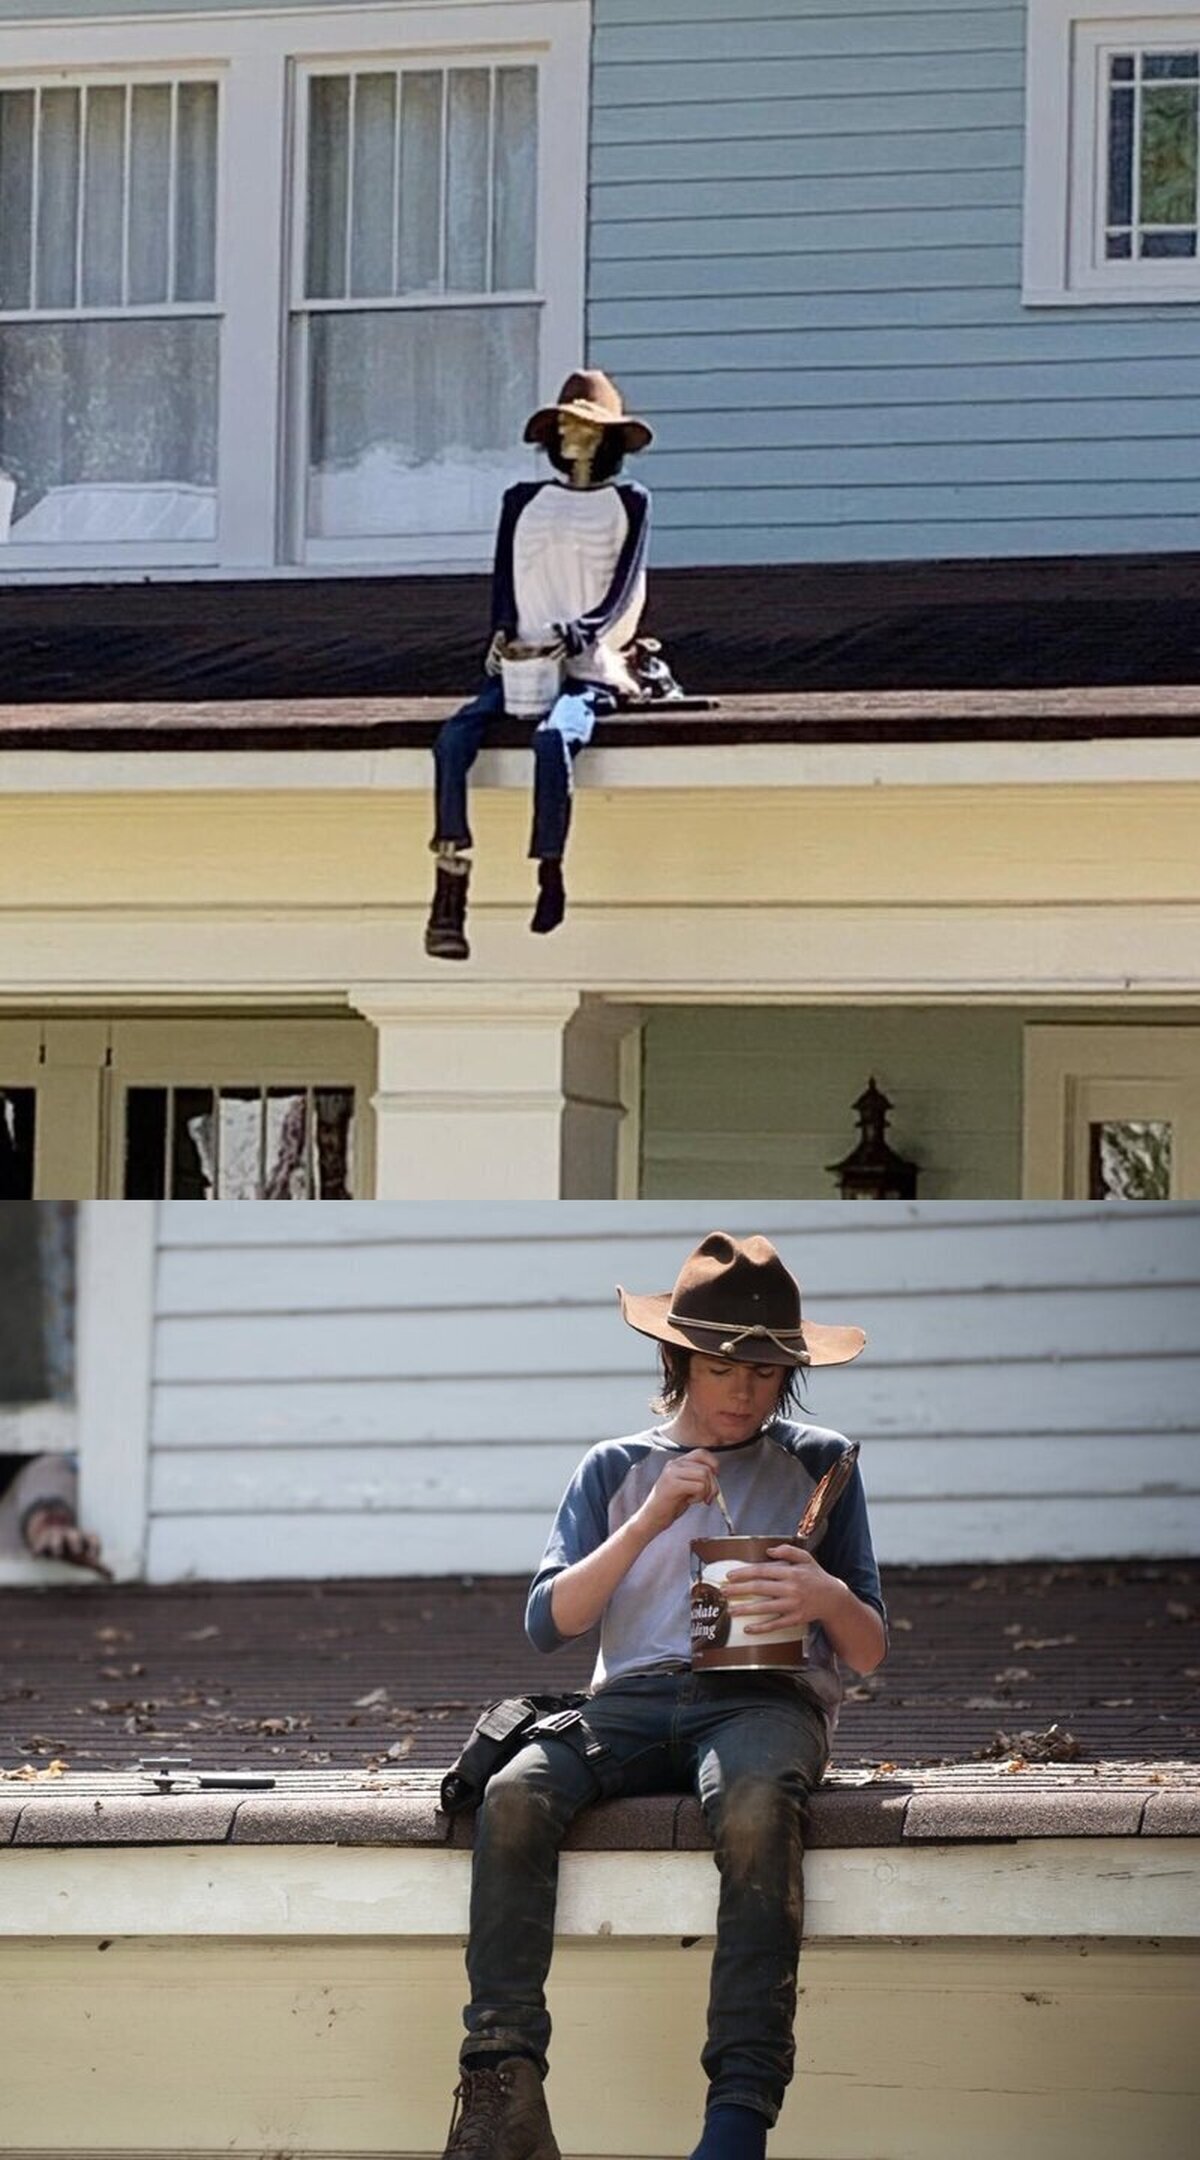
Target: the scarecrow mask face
pixel 584 452
pixel 580 439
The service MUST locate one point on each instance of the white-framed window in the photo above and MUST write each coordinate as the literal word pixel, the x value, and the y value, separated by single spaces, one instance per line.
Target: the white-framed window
pixel 278 291
pixel 1112 189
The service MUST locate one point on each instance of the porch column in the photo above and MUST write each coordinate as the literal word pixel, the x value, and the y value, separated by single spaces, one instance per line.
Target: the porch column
pixel 601 1138
pixel 469 1101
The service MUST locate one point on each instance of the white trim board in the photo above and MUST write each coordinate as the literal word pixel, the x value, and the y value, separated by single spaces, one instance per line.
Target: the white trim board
pixel 1123 761
pixel 1061 1887
pixel 117 1253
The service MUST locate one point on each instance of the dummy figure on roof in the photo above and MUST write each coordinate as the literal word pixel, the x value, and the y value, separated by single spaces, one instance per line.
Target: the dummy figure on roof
pixel 568 587
pixel 38 1495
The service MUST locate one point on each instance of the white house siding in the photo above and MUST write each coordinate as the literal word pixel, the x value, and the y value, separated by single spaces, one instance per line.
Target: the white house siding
pixel 806 266
pixel 344 1390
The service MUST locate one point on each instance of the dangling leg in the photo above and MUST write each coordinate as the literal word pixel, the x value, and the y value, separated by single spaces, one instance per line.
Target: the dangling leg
pixel 454 753
pixel 757 1760
pixel 559 738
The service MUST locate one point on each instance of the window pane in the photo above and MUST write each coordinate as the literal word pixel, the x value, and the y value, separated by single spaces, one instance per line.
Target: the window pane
pixel 109 429
pixel 1166 66
pixel 514 189
pixel 58 198
pixel 1120 157
pixel 1130 1160
pixel 196 192
pixel 415 417
pixel 240 1113
pixel 468 156
pixel 150 193
pixel 103 197
pixel 145 1174
pixel 328 155
pixel 193 1163
pixel 1172 243
pixel 420 265
pixel 286 1175
pixel 334 1143
pixel 374 203
pixel 16 194
pixel 1168 160
pixel 17 1120
pixel 37 1301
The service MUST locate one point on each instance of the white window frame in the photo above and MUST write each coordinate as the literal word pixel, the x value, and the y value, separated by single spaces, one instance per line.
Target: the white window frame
pixel 257 55
pixel 1064 136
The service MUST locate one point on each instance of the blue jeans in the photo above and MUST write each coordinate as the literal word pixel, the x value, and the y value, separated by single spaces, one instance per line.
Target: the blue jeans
pixel 752 1746
pixel 556 741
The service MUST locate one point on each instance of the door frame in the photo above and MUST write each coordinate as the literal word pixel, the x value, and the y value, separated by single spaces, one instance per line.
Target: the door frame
pixel 1060 1062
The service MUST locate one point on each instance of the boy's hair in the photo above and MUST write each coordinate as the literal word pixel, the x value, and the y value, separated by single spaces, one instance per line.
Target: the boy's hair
pixel 675 1364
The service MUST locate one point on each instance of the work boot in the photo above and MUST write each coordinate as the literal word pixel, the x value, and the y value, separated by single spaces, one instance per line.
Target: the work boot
pixel 500 2114
pixel 446 930
pixel 551 899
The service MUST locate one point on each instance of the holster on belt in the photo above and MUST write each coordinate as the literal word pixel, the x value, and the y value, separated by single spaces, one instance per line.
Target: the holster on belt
pixel 503 1728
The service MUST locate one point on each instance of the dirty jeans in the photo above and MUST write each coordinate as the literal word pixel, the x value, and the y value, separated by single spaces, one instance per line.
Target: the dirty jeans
pixel 752 1746
pixel 556 741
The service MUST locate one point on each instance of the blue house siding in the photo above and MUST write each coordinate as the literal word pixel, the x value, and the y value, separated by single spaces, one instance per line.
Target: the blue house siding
pixel 805 265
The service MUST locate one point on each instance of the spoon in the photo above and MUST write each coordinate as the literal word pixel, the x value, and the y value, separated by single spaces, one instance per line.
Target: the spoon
pixel 720 1500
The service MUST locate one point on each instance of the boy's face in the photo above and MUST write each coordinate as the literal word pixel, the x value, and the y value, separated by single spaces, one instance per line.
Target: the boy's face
pixel 727 1399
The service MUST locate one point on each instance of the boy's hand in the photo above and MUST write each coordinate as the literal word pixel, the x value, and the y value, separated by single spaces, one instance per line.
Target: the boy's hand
pixel 788 1589
pixel 687 1480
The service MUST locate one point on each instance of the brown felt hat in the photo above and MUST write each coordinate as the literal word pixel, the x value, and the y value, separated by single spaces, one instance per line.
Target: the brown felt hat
pixel 589 395
pixel 734 1298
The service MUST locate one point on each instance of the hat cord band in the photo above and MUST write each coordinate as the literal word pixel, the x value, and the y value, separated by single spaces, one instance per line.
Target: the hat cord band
pixel 737 1335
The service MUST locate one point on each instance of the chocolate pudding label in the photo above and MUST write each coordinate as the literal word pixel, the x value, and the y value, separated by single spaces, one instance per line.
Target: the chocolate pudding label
pixel 711 1617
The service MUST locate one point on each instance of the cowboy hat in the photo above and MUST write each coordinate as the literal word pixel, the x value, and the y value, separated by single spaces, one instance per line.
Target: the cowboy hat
pixel 589 395
pixel 734 1298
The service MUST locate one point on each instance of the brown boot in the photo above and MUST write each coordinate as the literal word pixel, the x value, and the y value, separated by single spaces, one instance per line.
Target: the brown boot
pixel 446 929
pixel 501 2114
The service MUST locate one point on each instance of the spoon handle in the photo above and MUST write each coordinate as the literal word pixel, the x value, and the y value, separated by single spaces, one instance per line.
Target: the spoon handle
pixel 720 1500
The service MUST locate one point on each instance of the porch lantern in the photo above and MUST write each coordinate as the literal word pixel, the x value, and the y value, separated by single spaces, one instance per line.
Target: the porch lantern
pixel 873 1170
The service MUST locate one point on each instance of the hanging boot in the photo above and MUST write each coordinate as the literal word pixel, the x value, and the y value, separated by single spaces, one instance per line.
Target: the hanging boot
pixel 446 930
pixel 500 2114
pixel 551 899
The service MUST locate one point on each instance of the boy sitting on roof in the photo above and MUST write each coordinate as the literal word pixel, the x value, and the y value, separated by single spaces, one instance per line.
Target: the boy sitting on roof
pixel 751 1742
pixel 569 583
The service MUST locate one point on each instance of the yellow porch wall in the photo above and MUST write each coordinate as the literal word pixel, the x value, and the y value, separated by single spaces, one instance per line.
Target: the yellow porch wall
pixel 906 2050
pixel 1004 846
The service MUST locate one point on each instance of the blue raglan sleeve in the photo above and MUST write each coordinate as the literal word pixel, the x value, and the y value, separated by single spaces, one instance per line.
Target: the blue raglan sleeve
pixel 846 1549
pixel 504 596
pixel 580 1526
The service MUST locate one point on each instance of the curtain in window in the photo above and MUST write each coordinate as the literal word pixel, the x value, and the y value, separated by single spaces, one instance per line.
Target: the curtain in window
pixel 108 425
pixel 421 187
